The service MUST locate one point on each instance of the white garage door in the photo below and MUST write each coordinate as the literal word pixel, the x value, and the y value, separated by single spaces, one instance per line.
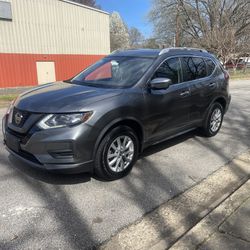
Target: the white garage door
pixel 45 72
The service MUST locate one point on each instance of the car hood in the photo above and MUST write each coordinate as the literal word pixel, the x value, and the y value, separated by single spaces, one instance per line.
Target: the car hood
pixel 62 97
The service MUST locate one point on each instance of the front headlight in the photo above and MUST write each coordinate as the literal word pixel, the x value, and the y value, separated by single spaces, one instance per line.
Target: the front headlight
pixel 63 120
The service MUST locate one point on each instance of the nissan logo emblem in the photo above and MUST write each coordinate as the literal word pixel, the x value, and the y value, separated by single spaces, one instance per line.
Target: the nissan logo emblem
pixel 18 118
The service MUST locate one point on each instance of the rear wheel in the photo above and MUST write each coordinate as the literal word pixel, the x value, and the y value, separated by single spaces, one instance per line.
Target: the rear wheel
pixel 213 120
pixel 116 154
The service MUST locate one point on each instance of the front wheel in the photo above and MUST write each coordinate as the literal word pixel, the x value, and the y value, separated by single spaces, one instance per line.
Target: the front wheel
pixel 116 154
pixel 213 120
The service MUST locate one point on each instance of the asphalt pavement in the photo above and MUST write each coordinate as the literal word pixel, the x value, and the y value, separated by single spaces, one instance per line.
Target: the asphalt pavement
pixel 44 210
pixel 213 209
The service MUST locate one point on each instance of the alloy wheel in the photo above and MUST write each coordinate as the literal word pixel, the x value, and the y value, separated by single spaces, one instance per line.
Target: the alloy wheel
pixel 120 153
pixel 216 119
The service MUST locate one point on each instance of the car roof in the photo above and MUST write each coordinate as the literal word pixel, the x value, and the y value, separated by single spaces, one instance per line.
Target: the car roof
pixel 154 53
pixel 137 52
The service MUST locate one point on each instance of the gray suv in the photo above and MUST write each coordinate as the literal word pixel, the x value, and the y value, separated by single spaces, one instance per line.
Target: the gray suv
pixel 103 118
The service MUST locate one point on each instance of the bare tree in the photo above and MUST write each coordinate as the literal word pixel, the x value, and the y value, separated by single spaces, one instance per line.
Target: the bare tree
pixel 163 16
pixel 119 35
pixel 151 43
pixel 136 38
pixel 220 26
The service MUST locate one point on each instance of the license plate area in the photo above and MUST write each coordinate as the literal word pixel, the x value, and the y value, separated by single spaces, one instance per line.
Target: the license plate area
pixel 12 142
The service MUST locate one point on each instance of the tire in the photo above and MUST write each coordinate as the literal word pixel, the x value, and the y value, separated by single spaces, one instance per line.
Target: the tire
pixel 106 167
pixel 212 125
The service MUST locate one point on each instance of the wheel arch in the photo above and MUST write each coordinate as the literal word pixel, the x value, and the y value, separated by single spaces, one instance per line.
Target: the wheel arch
pixel 222 101
pixel 134 124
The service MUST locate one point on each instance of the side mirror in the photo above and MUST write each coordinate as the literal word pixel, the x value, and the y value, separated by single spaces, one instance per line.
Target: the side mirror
pixel 160 83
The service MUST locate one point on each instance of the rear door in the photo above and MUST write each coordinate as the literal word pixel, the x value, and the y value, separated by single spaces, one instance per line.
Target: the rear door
pixel 195 74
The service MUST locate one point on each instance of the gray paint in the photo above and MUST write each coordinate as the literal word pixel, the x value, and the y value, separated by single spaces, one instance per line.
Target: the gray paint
pixel 159 114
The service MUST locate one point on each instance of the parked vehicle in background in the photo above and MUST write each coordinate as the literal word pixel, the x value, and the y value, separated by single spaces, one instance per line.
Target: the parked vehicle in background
pixel 102 119
pixel 246 61
pixel 238 64
pixel 235 64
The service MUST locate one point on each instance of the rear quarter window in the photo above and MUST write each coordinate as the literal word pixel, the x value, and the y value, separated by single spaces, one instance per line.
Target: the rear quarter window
pixel 210 66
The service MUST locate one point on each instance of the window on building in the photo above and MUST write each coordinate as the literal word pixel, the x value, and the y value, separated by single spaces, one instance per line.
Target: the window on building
pixel 5 11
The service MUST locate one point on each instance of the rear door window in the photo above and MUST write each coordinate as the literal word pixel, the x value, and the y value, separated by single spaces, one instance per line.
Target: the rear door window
pixel 193 68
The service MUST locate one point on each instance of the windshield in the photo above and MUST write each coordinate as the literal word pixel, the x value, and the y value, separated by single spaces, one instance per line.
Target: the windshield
pixel 117 72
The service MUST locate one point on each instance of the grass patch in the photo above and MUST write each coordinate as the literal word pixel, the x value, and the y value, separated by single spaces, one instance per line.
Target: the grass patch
pixel 240 75
pixel 6 99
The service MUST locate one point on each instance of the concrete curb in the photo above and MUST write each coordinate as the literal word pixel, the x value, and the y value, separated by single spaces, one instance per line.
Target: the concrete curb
pixel 201 232
pixel 163 227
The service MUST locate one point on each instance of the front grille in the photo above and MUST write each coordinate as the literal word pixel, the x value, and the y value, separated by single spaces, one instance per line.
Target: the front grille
pixel 19 117
pixel 22 137
pixel 12 146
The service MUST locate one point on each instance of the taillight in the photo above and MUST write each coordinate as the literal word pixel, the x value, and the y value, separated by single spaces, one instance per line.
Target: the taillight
pixel 226 75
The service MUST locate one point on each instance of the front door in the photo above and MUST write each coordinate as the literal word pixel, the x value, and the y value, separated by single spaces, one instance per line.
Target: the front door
pixel 167 111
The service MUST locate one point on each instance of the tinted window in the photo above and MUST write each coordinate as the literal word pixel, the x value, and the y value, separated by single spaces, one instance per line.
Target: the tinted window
pixel 114 72
pixel 171 69
pixel 210 66
pixel 193 68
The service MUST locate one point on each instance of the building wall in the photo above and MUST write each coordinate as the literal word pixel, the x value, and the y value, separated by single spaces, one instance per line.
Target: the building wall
pixel 20 69
pixel 71 35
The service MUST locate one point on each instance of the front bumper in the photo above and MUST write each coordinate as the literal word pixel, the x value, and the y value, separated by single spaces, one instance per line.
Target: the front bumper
pixel 59 168
pixel 66 150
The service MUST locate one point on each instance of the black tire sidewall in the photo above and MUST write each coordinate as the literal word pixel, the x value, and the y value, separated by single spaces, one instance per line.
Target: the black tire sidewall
pixel 208 130
pixel 102 168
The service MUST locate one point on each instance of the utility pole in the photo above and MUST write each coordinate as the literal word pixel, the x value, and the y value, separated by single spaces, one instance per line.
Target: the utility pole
pixel 177 25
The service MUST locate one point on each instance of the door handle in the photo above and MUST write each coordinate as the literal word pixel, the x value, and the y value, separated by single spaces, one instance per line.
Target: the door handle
pixel 212 84
pixel 184 93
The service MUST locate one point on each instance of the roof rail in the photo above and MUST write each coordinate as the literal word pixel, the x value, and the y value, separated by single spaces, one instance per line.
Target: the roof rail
pixel 115 51
pixel 166 50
